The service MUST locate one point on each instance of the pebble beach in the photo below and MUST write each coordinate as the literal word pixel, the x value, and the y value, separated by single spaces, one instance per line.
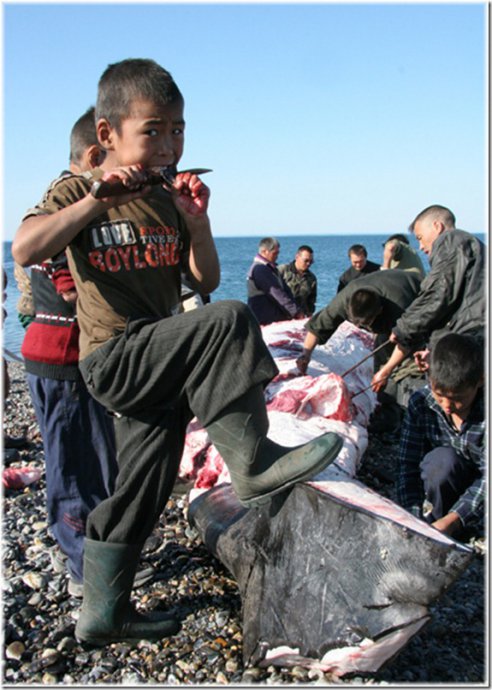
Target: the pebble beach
pixel 39 615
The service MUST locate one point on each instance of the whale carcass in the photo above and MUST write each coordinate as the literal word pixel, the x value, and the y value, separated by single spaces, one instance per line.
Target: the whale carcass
pixel 332 575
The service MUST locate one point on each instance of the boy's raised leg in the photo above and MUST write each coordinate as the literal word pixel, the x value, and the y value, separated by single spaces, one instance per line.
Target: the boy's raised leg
pixel 259 467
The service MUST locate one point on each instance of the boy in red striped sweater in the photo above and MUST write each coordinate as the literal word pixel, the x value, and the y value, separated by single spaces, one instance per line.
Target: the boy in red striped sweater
pixel 77 432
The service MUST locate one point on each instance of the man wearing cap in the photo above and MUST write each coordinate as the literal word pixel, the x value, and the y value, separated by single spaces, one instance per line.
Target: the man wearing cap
pixel 399 254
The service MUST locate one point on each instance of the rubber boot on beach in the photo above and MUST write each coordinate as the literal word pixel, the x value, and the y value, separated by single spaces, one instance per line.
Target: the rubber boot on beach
pixel 106 615
pixel 259 467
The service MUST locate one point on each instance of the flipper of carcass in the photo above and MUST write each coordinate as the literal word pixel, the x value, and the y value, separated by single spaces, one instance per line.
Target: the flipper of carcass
pixel 331 575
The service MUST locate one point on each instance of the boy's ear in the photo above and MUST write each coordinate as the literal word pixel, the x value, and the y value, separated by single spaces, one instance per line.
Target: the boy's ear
pixel 94 156
pixel 104 133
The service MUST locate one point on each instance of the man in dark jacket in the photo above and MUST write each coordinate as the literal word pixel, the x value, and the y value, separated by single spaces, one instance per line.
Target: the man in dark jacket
pixel 360 266
pixel 374 302
pixel 451 297
pixel 269 298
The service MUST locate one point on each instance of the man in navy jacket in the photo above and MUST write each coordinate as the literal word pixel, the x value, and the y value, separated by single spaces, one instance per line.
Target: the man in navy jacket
pixel 269 298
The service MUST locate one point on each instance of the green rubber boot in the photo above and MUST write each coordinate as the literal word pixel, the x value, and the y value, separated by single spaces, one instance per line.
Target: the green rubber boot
pixel 107 615
pixel 259 467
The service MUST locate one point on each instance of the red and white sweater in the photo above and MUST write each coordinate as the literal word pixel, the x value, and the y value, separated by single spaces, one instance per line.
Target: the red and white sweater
pixel 51 343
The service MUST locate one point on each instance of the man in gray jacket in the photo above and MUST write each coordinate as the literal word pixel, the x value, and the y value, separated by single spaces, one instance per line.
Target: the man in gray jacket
pixel 451 297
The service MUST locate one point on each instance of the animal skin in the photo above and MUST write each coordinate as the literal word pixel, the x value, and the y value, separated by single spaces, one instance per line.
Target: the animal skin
pixel 331 575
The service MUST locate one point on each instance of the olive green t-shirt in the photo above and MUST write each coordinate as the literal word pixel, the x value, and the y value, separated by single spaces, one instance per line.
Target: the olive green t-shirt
pixel 126 263
pixel 407 259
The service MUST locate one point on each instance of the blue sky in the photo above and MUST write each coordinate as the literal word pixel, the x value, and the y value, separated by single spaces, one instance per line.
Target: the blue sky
pixel 316 118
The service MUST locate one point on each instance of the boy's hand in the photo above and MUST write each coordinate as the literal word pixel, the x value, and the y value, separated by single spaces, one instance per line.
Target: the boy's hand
pixel 69 296
pixel 190 194
pixel 421 359
pixel 388 253
pixel 380 379
pixel 449 524
pixel 303 362
pixel 132 178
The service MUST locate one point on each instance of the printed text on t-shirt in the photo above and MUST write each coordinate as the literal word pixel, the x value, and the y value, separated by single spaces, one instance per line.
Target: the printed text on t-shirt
pixel 116 246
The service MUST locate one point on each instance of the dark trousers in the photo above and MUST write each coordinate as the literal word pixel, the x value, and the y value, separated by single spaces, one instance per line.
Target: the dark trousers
pixel 80 459
pixel 446 476
pixel 158 375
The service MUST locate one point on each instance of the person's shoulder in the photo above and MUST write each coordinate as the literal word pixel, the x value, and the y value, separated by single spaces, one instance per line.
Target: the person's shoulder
pixel 451 239
pixel 415 279
pixel 65 189
pixel 478 406
pixel 58 182
pixel 452 248
pixel 259 267
pixel 372 266
pixel 370 278
pixel 411 277
pixel 70 178
pixel 405 248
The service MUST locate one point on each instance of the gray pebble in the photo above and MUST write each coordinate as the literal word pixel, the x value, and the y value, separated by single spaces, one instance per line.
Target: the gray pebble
pixel 15 650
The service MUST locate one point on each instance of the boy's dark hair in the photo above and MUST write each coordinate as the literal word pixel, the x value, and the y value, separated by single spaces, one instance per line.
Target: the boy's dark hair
pixel 456 362
pixel 83 135
pixel 363 307
pixel 123 82
pixel 357 249
pixel 305 248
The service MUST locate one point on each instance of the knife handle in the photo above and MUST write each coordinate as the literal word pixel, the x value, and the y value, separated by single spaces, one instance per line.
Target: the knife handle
pixel 104 188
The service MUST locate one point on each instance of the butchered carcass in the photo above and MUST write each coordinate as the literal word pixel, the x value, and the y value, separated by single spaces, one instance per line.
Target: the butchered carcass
pixel 332 575
pixel 326 395
pixel 320 396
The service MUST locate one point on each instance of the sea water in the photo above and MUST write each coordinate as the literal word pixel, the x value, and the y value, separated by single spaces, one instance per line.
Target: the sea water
pixel 236 255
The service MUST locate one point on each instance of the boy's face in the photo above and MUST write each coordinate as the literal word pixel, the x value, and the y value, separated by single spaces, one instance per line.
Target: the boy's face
pixel 458 402
pixel 151 135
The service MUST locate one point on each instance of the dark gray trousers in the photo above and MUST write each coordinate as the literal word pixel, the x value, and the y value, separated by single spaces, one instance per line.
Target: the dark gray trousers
pixel 158 375
pixel 446 476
